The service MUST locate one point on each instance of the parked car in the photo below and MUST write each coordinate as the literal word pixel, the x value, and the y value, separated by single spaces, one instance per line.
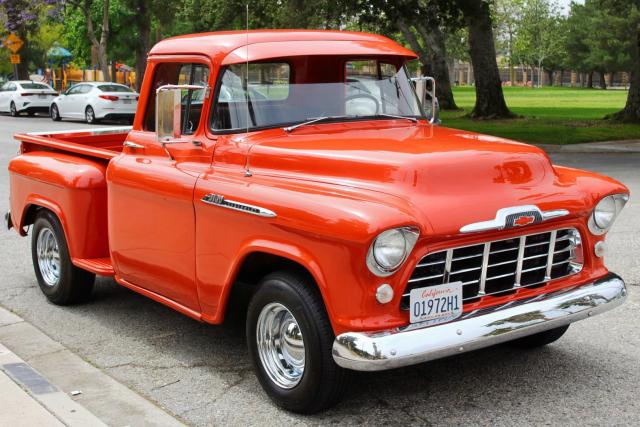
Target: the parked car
pixel 20 96
pixel 364 236
pixel 95 101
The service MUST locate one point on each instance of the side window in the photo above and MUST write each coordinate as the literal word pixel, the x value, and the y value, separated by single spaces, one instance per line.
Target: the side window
pixel 86 89
pixel 192 100
pixel 75 90
pixel 11 87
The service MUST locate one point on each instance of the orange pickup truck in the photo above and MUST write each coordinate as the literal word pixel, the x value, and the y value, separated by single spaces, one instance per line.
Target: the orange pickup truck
pixel 298 178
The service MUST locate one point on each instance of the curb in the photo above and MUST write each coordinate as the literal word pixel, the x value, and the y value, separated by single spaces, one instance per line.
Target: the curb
pixel 619 147
pixel 61 408
pixel 35 360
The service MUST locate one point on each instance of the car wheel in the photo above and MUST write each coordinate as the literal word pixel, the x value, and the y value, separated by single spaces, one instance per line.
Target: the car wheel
pixel 290 342
pixel 30 113
pixel 90 115
pixel 60 281
pixel 54 113
pixel 13 110
pixel 540 339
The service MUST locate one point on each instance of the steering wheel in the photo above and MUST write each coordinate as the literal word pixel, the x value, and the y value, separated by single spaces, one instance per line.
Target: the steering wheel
pixel 368 97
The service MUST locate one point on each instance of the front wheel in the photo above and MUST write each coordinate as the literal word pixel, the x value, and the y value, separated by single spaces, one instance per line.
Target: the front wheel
pixel 90 115
pixel 55 113
pixel 59 280
pixel 290 339
pixel 540 339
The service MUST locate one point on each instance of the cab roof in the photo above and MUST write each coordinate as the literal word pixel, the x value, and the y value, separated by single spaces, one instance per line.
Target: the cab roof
pixel 229 47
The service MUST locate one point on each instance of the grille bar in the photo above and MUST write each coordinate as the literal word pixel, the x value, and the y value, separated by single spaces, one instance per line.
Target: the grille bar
pixel 500 267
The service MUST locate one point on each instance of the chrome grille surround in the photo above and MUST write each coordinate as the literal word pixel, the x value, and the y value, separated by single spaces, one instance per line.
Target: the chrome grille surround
pixel 500 267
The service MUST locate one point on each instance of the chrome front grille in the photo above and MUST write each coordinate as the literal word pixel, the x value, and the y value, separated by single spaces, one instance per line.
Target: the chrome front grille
pixel 500 267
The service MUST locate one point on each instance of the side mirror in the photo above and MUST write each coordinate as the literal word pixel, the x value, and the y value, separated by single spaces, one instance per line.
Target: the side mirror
pixel 426 91
pixel 169 111
pixel 168 114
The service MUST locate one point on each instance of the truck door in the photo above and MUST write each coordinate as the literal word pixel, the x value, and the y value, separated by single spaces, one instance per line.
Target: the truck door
pixel 150 190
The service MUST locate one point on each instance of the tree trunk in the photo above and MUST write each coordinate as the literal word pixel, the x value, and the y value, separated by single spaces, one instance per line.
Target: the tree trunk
pixel 590 79
pixel 603 81
pixel 550 77
pixel 490 103
pixel 142 48
pixel 631 111
pixel 100 45
pixel 434 42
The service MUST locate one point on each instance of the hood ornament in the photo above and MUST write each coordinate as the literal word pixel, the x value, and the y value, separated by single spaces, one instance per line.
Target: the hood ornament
pixel 515 216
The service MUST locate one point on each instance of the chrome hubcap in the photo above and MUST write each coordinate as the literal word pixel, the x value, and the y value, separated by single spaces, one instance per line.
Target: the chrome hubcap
pixel 48 257
pixel 89 115
pixel 280 345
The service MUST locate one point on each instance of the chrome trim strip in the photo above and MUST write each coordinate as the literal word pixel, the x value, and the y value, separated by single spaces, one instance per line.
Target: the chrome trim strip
pixel 447 266
pixel 550 254
pixel 218 200
pixel 501 220
pixel 485 264
pixel 412 344
pixel 89 131
pixel 519 261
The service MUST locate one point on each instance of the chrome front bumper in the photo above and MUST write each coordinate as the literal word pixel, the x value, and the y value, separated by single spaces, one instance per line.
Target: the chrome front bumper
pixel 376 351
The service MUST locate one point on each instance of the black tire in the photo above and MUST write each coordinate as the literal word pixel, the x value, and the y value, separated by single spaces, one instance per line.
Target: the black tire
pixel 13 110
pixel 31 113
pixel 540 339
pixel 54 113
pixel 90 115
pixel 322 382
pixel 73 285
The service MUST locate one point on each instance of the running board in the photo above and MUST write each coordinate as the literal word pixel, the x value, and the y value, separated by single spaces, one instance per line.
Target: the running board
pixel 99 266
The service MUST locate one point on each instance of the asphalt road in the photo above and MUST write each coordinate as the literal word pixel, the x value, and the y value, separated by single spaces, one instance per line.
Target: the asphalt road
pixel 202 373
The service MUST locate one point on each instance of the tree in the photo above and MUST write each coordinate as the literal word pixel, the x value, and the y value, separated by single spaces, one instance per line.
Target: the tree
pixel 490 103
pixel 630 9
pixel 508 16
pixel 539 34
pixel 100 45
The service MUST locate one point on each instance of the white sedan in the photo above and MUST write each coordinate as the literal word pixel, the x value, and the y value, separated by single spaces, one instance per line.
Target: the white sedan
pixel 20 96
pixel 95 101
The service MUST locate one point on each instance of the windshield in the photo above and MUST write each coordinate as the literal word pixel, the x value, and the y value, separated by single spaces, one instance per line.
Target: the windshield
pixel 279 95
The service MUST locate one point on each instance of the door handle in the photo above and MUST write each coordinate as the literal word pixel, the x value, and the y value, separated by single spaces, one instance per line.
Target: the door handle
pixel 132 145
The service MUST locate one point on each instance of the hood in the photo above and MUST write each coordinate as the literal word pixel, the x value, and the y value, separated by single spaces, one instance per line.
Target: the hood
pixel 450 177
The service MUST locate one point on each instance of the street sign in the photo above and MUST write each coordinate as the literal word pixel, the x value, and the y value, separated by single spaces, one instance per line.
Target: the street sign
pixel 13 43
pixel 15 59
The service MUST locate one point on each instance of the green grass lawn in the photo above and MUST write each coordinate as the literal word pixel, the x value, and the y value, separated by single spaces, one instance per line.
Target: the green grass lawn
pixel 550 115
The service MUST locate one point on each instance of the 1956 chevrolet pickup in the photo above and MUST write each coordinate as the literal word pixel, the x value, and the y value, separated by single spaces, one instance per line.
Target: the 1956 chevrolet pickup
pixel 305 167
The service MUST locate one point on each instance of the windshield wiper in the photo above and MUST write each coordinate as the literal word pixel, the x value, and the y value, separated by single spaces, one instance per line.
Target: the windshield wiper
pixel 314 120
pixel 393 116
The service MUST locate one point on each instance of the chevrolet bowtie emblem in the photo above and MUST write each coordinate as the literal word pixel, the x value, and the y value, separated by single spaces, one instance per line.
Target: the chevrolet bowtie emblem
pixel 516 216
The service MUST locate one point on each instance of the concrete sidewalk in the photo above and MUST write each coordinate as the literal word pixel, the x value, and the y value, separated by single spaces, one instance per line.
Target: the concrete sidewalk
pixel 627 146
pixel 29 399
pixel 42 383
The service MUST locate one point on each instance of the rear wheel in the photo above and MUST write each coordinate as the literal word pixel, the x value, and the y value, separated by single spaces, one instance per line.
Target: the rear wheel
pixel 540 339
pixel 290 341
pixel 54 113
pixel 60 281
pixel 90 115
pixel 13 110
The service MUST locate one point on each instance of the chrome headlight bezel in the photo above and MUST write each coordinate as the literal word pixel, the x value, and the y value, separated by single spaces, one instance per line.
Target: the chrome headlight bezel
pixel 376 266
pixel 598 219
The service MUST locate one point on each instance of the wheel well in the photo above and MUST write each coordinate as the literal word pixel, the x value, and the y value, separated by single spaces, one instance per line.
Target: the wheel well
pixel 254 267
pixel 31 214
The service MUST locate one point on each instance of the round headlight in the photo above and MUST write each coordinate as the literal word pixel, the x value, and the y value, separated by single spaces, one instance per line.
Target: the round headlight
pixel 605 212
pixel 390 249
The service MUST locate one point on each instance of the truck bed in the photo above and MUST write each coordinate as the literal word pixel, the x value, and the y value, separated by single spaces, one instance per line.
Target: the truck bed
pixel 104 143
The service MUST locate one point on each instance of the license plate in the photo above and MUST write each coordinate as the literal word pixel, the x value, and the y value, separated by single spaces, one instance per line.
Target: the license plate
pixel 436 304
pixel 42 96
pixel 126 101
